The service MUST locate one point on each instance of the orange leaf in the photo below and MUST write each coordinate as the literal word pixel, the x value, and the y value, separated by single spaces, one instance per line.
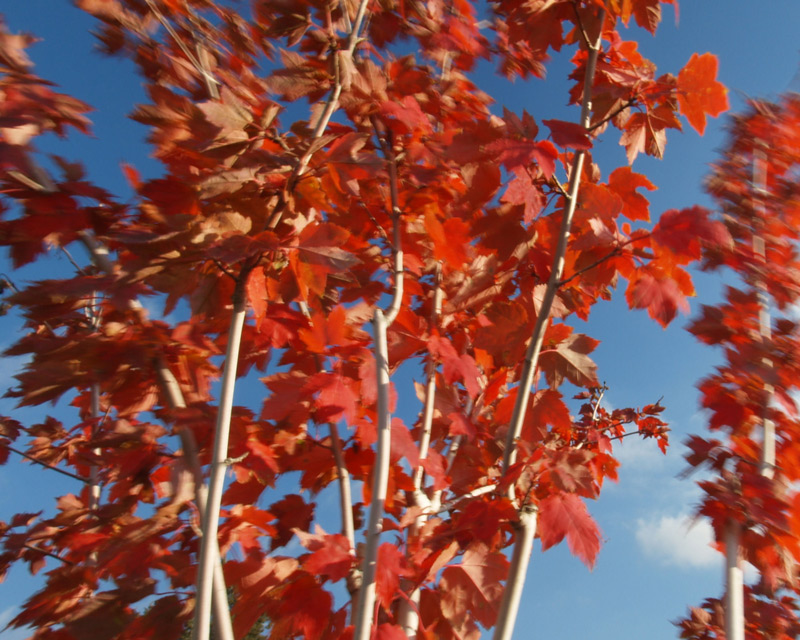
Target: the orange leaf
pixel 699 92
pixel 625 183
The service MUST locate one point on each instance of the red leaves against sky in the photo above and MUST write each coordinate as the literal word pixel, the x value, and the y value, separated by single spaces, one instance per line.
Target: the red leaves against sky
pixel 756 382
pixel 699 92
pixel 566 515
pixel 300 226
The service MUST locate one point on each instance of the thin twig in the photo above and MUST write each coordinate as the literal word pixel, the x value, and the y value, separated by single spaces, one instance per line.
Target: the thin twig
pixel 48 553
pixel 615 252
pixel 480 491
pixel 345 496
pixel 626 105
pixel 225 269
pixel 581 27
pixel 196 63
pixel 331 105
pixel 637 432
pixel 66 252
pixel 46 465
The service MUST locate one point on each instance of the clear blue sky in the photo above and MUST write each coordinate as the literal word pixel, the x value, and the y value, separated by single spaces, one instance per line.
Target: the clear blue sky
pixel 650 569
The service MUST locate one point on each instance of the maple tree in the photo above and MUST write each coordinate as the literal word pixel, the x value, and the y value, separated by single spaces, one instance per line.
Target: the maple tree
pixel 751 499
pixel 397 199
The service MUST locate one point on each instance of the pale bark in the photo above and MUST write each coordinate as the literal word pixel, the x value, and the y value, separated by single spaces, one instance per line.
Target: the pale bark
pixel 380 482
pixel 767 466
pixel 209 550
pixel 345 495
pixel 515 582
pixel 734 595
pixel 734 584
pixel 408 617
pixel 175 400
pixel 94 482
pixel 526 527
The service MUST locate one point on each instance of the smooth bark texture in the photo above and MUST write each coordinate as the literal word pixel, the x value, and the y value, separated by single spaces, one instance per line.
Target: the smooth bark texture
pixel 764 317
pixel 175 400
pixel 527 524
pixel 292 136
pixel 734 581
pixel 94 481
pixel 380 481
pixel 507 617
pixel 209 550
pixel 526 529
pixel 543 318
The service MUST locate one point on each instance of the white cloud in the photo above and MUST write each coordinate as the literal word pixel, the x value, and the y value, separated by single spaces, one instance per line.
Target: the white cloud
pixel 636 453
pixel 678 541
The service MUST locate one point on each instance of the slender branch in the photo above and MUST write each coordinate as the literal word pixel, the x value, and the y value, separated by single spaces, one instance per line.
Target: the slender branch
pixel 175 400
pixel 225 269
pixel 479 491
pixel 202 57
pixel 603 390
pixel 387 147
pixel 409 609
pixel 380 482
pixel 331 105
pixel 46 465
pixel 506 617
pixel 378 226
pixel 366 600
pixel 542 320
pixel 616 251
pixel 50 554
pixel 78 268
pixel 430 387
pixel 767 465
pixel 630 433
pixel 94 480
pixel 528 513
pixel 196 61
pixel 625 105
pixel 581 28
pixel 209 550
pixel 734 583
pixel 455 445
pixel 345 496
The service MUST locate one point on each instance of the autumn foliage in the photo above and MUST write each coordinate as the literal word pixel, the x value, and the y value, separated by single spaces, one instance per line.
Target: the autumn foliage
pixel 312 164
pixel 751 397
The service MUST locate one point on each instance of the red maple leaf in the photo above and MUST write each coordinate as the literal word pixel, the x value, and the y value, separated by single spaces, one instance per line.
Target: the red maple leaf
pixel 474 586
pixel 565 514
pixel 699 91
pixel 392 566
pixel 661 297
pixel 569 135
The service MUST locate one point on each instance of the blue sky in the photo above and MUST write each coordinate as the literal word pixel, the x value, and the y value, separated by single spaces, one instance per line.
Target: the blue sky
pixel 650 568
